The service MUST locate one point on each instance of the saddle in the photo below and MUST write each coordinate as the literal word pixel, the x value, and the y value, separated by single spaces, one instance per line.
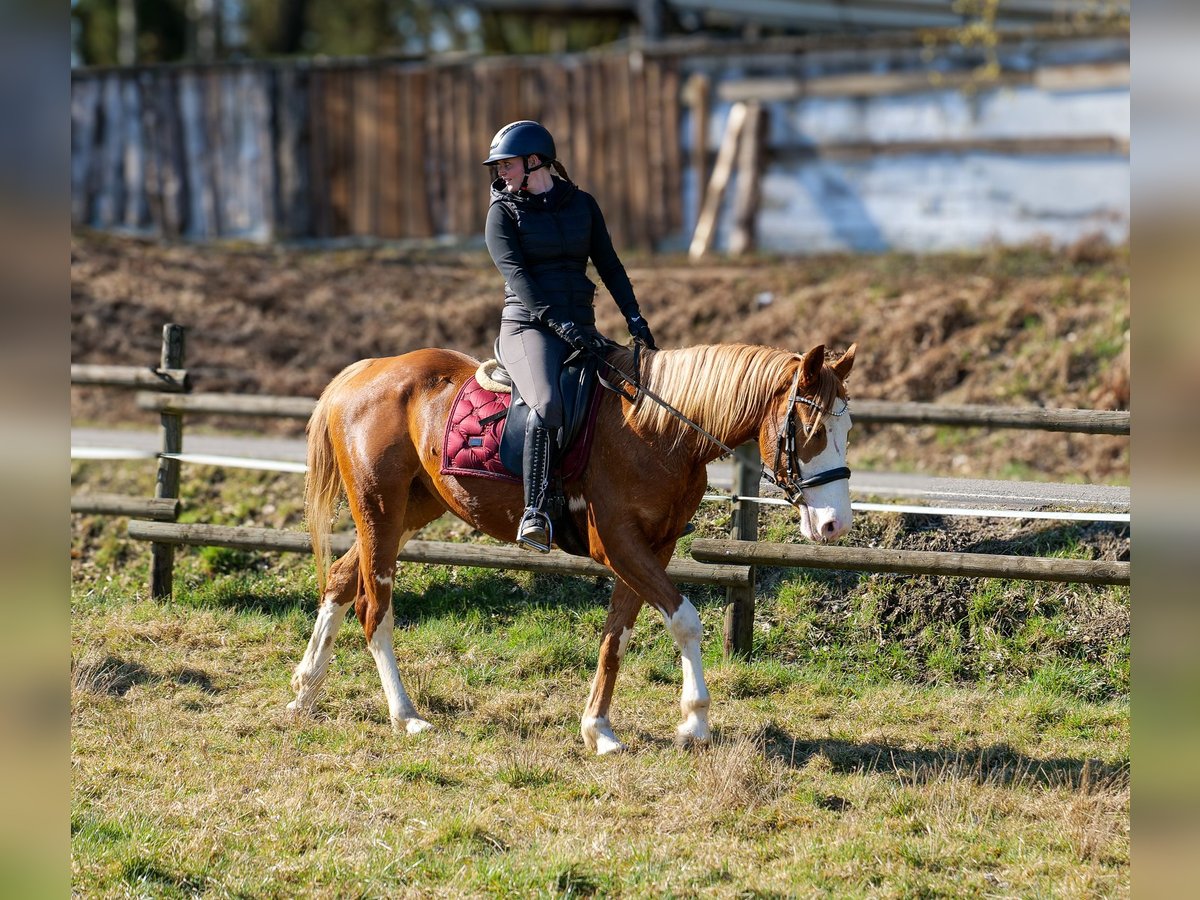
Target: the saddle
pixel 485 434
pixel 577 382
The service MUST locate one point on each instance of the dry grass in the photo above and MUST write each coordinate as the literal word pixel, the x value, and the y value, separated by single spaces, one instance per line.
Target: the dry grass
pixel 190 778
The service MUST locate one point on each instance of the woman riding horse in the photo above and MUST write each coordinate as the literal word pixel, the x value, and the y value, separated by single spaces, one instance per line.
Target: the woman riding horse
pixel 540 232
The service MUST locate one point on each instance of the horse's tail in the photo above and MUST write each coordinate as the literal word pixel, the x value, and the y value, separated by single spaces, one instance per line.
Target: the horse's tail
pixel 323 482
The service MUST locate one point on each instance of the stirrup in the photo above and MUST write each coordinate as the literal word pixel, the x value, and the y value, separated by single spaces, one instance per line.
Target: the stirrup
pixel 535 530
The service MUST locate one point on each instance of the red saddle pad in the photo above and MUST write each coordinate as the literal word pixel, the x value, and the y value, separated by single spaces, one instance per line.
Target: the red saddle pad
pixel 472 448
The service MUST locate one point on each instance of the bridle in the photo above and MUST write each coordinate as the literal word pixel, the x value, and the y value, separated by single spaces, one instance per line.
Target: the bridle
pixel 787 448
pixel 793 482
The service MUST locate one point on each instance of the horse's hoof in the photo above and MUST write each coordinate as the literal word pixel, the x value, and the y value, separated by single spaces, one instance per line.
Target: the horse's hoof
pixel 411 726
pixel 598 737
pixel 606 745
pixel 692 734
pixel 299 710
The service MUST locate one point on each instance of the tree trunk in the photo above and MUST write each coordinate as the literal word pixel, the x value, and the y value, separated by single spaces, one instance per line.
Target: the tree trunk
pixel 293 22
pixel 204 27
pixel 127 28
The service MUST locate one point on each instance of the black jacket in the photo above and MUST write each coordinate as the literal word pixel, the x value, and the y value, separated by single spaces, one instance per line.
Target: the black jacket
pixel 541 244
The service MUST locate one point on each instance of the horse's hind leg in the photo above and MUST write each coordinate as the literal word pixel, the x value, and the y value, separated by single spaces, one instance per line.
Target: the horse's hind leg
pixel 341 587
pixel 595 725
pixel 380 538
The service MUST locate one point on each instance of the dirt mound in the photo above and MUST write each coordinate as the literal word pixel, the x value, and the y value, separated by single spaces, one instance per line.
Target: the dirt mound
pixel 1011 327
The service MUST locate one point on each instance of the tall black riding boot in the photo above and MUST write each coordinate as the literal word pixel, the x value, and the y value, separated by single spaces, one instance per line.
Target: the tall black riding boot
pixel 535 530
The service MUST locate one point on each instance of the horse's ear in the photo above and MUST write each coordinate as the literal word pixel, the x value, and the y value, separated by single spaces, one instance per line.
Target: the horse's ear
pixel 811 364
pixel 845 363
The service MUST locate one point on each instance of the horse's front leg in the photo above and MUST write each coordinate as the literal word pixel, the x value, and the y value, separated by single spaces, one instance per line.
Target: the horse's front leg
pixel 684 625
pixel 595 725
pixel 645 573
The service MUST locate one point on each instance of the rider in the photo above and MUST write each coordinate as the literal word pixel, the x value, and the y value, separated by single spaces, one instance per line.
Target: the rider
pixel 541 229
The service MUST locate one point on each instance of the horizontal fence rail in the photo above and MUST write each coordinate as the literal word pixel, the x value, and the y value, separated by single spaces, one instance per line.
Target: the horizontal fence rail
pixel 432 552
pixel 911 562
pixel 161 509
pixel 130 377
pixel 229 404
pixel 1077 421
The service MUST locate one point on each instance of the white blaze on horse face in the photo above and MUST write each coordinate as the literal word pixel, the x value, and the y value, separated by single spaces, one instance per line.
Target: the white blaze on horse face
pixel 827 514
pixel 685 627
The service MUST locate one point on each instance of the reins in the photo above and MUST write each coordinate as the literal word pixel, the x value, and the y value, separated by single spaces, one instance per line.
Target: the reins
pixel 786 441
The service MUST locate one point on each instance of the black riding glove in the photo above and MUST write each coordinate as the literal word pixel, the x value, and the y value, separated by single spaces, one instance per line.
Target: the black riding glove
pixel 641 331
pixel 578 338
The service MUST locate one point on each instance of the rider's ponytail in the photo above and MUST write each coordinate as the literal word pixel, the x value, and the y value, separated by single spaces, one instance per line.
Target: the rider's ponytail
pixel 561 170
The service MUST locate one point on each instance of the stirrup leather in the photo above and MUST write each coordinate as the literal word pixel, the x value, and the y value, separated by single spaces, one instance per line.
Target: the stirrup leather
pixel 535 530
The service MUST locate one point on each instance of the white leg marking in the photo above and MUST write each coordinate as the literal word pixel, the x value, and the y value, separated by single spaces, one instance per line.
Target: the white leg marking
pixel 384 580
pixel 598 735
pixel 314 665
pixel 623 642
pixel 597 730
pixel 577 504
pixel 685 627
pixel 400 707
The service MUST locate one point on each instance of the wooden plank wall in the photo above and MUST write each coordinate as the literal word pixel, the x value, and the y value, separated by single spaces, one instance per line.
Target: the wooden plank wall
pixel 388 149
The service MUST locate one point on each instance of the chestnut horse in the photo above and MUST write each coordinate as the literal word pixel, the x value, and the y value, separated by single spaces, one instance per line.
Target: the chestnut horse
pixel 377 432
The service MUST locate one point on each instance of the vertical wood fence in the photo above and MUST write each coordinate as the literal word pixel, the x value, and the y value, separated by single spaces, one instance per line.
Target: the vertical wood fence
pixel 380 148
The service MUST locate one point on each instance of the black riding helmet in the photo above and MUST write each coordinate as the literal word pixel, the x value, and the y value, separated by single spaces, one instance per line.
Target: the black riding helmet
pixel 522 139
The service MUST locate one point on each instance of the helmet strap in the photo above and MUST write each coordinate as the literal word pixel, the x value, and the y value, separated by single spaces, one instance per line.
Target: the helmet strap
pixel 528 170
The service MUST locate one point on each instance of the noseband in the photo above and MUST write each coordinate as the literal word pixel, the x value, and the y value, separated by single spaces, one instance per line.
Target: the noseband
pixel 787 449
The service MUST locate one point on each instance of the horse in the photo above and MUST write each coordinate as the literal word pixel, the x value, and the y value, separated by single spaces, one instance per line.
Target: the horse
pixel 376 435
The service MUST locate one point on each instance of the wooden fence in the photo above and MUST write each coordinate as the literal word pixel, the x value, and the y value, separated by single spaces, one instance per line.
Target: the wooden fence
pixel 727 563
pixel 381 148
pixel 1037 418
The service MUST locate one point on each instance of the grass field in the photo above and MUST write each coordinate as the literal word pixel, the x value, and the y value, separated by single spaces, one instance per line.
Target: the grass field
pixel 894 737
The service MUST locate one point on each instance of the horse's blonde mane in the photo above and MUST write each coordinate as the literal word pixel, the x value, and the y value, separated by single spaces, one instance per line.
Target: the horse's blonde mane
pixel 722 387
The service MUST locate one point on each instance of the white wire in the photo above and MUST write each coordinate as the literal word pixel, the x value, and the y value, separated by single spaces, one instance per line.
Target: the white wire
pixel 238 462
pixel 951 510
pixel 201 459
pixel 111 453
pixel 279 465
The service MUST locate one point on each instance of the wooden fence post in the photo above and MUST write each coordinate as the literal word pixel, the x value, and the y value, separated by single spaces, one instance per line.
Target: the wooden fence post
pixel 697 94
pixel 706 225
pixel 739 608
pixel 750 164
pixel 162 556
